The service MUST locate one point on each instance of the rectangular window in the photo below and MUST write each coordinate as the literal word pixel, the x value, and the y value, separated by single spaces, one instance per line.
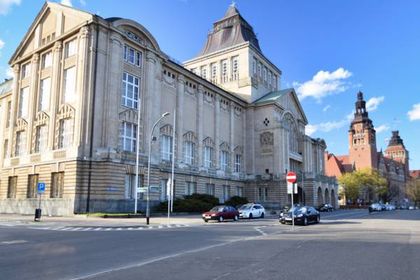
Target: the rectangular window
pixel 6 149
pixel 65 133
pixel 213 73
pixel 26 71
pixel 20 148
pixel 240 191
pixel 166 147
pixel 44 94
pixel 265 74
pixel 254 66
pixel 46 60
pixel 69 85
pixel 164 189
pixel 11 187
pixel 132 56
pixel 191 188
pixel 32 186
pixel 226 192
pixel 259 70
pixel 224 71
pixel 23 103
pixel 9 113
pixel 275 82
pixel 189 152
pixel 235 68
pixel 208 160
pixel 41 136
pixel 238 159
pixel 131 89
pixel 130 185
pixel 269 78
pixel 224 159
pixel 262 194
pixel 128 136
pixel 57 184
pixel 204 72
pixel 70 49
pixel 210 189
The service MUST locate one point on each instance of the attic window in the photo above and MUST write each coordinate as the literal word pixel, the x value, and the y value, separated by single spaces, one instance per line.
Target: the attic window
pixel 266 121
pixel 133 37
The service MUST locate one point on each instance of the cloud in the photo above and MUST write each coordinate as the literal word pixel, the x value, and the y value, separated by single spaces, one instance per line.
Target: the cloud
pixel 1 44
pixel 373 103
pixel 382 128
pixel 66 3
pixel 5 6
pixel 324 83
pixel 326 108
pixel 325 126
pixel 414 114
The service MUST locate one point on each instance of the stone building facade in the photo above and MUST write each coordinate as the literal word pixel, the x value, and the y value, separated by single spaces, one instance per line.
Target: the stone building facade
pixel 82 86
pixel 392 164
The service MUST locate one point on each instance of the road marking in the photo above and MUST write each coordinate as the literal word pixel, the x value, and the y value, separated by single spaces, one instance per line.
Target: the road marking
pixel 13 242
pixel 260 230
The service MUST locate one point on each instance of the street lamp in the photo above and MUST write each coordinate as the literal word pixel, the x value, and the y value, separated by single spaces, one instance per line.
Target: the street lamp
pixel 148 167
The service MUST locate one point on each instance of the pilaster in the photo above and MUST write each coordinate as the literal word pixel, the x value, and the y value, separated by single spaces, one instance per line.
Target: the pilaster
pixel 217 130
pixel 55 91
pixel 200 96
pixel 180 115
pixel 13 113
pixel 32 101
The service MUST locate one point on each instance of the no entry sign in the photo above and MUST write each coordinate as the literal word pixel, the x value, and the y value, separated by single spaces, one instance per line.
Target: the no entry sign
pixel 291 177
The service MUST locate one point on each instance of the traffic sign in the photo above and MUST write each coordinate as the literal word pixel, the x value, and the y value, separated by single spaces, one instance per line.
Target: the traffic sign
pixel 291 177
pixel 41 187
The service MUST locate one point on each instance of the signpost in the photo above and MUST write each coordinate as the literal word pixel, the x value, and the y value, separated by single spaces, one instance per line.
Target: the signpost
pixel 40 190
pixel 291 182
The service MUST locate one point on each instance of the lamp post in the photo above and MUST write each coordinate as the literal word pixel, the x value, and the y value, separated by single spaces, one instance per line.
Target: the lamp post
pixel 148 167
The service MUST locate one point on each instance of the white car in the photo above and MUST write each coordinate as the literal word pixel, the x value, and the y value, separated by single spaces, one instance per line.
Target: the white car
pixel 251 210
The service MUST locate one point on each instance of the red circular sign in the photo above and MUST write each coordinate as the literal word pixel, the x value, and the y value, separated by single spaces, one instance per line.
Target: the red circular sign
pixel 291 177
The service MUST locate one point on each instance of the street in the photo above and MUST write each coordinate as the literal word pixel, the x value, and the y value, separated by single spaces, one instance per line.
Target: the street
pixel 345 245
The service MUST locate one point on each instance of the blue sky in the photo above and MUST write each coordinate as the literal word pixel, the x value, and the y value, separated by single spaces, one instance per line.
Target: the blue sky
pixel 328 50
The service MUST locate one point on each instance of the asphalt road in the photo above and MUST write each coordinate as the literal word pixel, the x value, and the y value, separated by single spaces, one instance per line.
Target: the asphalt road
pixel 345 245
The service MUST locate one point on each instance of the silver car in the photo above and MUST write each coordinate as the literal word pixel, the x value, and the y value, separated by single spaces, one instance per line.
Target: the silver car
pixel 251 210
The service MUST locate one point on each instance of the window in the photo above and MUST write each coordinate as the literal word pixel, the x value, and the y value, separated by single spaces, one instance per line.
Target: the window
pixel 235 68
pixel 265 74
pixel 44 94
pixel 208 156
pixel 224 160
pixel 41 136
pixel 164 189
pixel 130 185
pixel 65 133
pixel 262 194
pixel 204 72
pixel 23 103
pixel 26 71
pixel 70 48
pixel 210 189
pixel 166 147
pixel 69 85
pixel 224 71
pixel 32 186
pixel 189 152
pixel 46 60
pixel 20 147
pixel 128 136
pixel 191 188
pixel 213 73
pixel 269 77
pixel 57 185
pixel 132 56
pixel 274 81
pixel 240 191
pixel 9 113
pixel 11 187
pixel 259 70
pixel 254 67
pixel 131 88
pixel 226 192
pixel 6 149
pixel 238 159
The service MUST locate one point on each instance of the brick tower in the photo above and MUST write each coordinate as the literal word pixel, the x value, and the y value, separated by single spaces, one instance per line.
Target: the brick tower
pixel 397 151
pixel 362 138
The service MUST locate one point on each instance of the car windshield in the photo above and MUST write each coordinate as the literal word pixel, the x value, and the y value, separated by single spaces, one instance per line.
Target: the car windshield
pixel 245 207
pixel 298 210
pixel 217 209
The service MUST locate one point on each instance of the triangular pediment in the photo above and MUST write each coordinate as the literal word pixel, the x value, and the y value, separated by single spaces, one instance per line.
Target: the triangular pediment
pixel 53 21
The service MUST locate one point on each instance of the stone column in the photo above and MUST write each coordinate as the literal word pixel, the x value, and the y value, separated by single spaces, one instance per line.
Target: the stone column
pixel 217 130
pixel 180 116
pixel 244 141
pixel 55 92
pixel 232 136
pixel 81 83
pixel 32 101
pixel 13 113
pixel 199 125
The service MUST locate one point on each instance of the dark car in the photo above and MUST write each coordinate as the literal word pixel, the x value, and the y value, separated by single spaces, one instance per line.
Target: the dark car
pixel 326 207
pixel 221 213
pixel 302 215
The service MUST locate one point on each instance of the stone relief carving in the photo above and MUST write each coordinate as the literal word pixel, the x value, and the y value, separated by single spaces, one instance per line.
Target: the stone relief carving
pixel 266 142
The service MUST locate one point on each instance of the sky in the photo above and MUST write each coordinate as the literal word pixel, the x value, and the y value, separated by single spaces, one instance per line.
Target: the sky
pixel 327 50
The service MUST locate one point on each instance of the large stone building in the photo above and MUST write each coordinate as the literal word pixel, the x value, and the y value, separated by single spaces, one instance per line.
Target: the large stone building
pixel 83 83
pixel 392 164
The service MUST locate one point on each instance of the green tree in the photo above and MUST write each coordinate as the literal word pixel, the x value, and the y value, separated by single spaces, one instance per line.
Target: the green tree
pixel 413 191
pixel 350 185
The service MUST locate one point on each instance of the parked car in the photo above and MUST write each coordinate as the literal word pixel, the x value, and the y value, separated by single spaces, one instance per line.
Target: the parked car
pixel 375 207
pixel 251 210
pixel 302 215
pixel 390 207
pixel 411 208
pixel 221 213
pixel 326 207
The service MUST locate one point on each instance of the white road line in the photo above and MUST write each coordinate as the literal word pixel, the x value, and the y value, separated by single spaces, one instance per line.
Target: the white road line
pixel 260 230
pixel 11 242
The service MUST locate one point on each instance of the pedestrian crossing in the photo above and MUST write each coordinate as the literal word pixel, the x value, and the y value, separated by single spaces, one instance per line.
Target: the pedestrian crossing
pixel 108 228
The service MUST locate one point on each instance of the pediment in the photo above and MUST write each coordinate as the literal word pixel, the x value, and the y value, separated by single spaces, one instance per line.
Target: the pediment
pixel 52 22
pixel 41 118
pixel 290 103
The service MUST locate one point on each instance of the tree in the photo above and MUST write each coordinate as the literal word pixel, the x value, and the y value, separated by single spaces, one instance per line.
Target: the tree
pixel 413 190
pixel 350 186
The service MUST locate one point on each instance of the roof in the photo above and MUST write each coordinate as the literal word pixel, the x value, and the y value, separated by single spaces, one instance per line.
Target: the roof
pixel 272 96
pixel 229 31
pixel 6 86
pixel 415 174
pixel 396 139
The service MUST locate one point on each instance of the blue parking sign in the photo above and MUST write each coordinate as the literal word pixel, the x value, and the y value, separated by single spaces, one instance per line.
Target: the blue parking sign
pixel 41 187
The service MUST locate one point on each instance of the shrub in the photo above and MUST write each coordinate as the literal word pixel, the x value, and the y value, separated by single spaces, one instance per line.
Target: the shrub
pixel 195 203
pixel 236 201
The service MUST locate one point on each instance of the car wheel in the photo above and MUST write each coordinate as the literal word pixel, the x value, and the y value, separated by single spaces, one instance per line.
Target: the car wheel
pixel 236 218
pixel 262 215
pixel 305 221
pixel 221 219
pixel 250 216
pixel 318 219
pixel 206 221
